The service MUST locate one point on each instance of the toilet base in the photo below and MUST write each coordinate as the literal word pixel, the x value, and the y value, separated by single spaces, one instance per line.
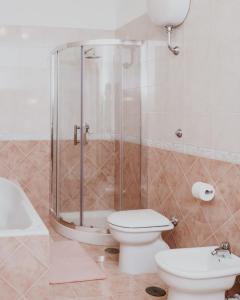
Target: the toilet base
pixel 177 295
pixel 137 259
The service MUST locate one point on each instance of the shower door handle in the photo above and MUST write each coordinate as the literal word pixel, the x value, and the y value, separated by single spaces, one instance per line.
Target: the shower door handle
pixel 75 138
pixel 86 132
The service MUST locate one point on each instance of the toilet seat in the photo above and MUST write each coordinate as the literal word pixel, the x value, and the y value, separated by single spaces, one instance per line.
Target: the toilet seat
pixel 142 220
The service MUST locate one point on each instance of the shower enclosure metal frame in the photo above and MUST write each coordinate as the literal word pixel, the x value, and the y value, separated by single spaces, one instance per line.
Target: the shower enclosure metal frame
pixel 54 206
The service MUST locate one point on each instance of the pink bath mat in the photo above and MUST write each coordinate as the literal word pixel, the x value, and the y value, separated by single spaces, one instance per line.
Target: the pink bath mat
pixel 70 263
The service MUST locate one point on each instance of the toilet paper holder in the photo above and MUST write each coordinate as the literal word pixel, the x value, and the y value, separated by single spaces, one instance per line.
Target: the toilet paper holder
pixel 209 192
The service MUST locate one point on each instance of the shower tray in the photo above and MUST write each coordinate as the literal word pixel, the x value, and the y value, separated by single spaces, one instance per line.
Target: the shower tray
pixel 95 230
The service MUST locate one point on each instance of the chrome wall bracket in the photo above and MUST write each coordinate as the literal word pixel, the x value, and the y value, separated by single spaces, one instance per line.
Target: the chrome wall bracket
pixel 175 50
pixel 174 221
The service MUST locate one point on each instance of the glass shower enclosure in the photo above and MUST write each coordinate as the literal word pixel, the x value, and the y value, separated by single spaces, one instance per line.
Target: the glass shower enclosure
pixel 96 136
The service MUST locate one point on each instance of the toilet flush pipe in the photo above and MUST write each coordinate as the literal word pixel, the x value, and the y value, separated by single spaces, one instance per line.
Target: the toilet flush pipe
pixel 175 50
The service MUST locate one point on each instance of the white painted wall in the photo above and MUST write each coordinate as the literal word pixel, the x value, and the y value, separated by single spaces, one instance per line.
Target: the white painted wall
pixel 29 30
pixel 128 10
pixel 25 77
pixel 90 14
pixel 198 91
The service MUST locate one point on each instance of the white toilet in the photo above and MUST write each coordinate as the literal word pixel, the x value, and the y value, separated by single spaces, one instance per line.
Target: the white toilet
pixel 139 233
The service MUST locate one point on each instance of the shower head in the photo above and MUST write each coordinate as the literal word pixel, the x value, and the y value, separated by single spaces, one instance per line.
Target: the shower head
pixel 92 57
pixel 90 54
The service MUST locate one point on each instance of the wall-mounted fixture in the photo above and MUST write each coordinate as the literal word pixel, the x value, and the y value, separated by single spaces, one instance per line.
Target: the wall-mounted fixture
pixel 170 14
pixel 179 133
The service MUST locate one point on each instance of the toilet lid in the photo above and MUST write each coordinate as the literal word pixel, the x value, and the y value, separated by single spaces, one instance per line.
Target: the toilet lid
pixel 142 218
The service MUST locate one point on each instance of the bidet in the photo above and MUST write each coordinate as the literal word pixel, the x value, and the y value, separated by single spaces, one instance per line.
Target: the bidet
pixel 196 274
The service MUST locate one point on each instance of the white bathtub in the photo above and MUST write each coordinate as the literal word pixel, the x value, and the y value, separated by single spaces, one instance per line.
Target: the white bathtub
pixel 17 215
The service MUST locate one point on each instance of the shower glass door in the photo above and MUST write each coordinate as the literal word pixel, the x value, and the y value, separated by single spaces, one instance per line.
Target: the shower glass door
pixel 112 126
pixel 101 96
pixel 69 136
pixel 96 132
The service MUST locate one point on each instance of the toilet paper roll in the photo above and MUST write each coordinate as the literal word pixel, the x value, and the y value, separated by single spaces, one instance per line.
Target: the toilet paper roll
pixel 203 191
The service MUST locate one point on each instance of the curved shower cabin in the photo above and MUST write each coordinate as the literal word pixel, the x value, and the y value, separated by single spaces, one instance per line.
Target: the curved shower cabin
pixel 96 136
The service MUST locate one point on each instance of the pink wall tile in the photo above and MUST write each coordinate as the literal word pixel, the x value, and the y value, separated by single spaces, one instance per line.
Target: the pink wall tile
pixel 168 190
pixel 40 289
pixel 7 246
pixel 229 187
pixel 8 292
pixel 24 269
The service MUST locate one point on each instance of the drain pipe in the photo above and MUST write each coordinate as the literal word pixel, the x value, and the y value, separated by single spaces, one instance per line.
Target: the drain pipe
pixel 236 296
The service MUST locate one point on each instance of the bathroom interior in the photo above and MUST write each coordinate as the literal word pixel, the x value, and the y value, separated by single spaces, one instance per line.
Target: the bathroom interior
pixel 119 150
